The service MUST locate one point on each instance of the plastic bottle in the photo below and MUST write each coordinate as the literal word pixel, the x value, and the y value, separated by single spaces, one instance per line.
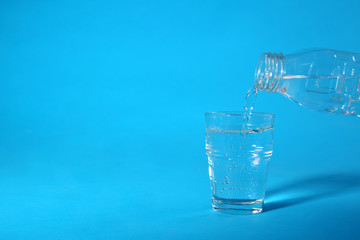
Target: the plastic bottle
pixel 322 80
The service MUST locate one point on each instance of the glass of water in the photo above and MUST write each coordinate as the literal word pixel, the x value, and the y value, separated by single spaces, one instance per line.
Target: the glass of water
pixel 239 148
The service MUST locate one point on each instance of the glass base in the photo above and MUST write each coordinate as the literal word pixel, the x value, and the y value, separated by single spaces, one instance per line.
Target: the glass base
pixel 238 206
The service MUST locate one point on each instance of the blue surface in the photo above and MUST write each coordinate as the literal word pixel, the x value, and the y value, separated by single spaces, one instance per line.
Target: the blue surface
pixel 102 119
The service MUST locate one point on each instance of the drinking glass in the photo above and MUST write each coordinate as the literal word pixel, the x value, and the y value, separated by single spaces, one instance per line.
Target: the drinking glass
pixel 239 148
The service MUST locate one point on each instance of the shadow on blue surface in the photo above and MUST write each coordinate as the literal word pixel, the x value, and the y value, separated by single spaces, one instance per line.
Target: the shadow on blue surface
pixel 311 189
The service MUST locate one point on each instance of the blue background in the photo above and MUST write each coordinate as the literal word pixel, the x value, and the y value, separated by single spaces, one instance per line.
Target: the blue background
pixel 102 119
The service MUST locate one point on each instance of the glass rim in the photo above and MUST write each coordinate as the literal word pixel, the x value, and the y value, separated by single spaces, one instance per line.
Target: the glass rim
pixel 239 113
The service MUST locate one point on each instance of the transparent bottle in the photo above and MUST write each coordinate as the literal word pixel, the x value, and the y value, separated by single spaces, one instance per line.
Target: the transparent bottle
pixel 322 79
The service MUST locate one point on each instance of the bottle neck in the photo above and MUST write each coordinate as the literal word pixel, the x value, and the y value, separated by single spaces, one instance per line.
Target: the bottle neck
pixel 269 72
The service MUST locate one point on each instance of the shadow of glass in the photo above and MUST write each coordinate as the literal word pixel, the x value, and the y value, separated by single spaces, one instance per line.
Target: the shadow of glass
pixel 311 189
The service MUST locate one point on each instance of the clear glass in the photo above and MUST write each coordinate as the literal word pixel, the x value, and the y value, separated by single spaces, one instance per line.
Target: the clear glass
pixel 322 79
pixel 238 155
